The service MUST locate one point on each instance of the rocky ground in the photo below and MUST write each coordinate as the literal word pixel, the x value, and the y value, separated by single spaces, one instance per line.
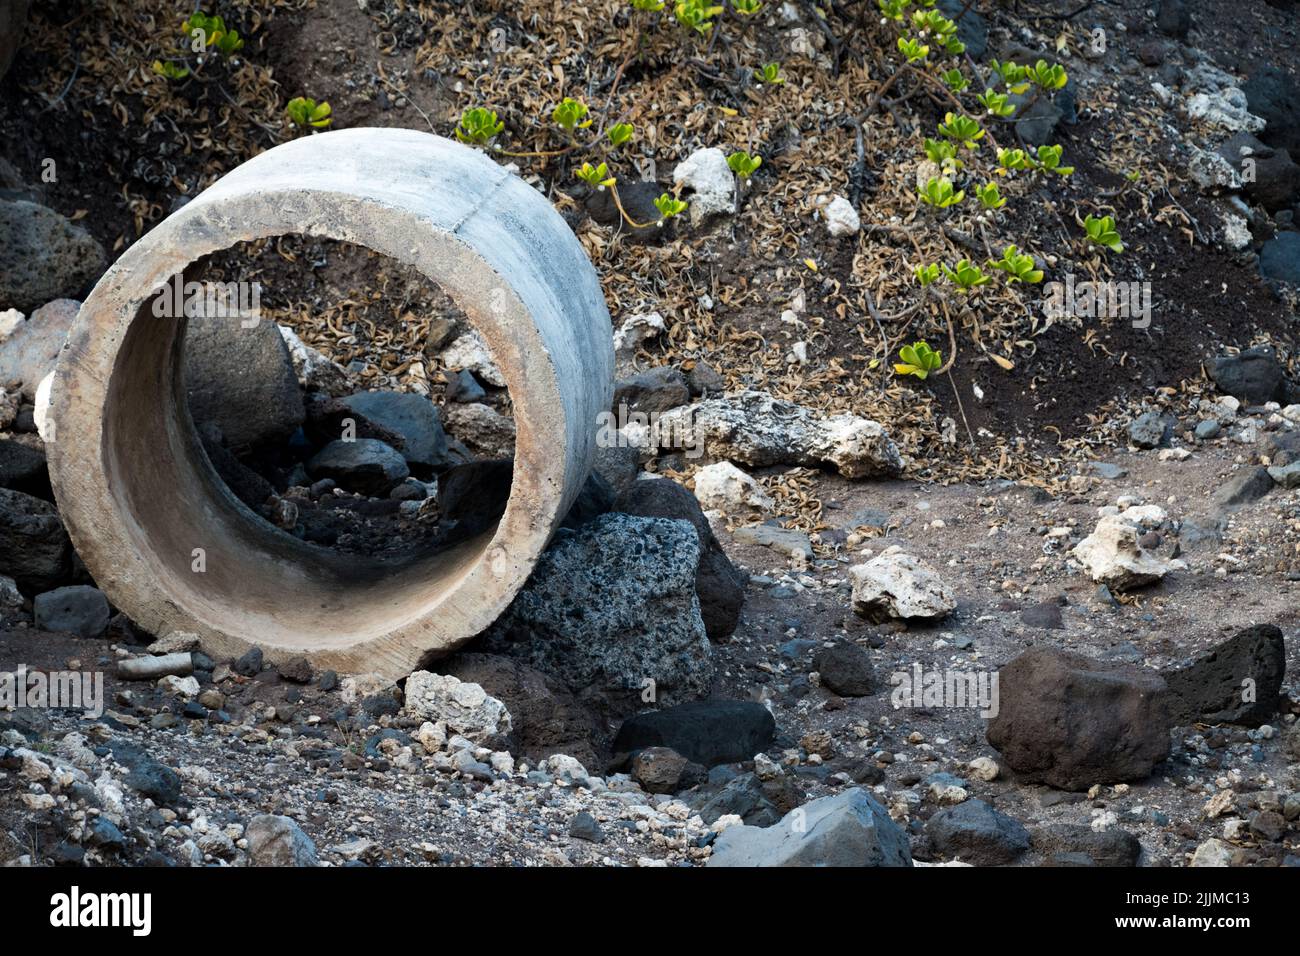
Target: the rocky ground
pixel 705 668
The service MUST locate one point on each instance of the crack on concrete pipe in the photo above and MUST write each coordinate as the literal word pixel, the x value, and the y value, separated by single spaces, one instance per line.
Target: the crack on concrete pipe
pixel 139 495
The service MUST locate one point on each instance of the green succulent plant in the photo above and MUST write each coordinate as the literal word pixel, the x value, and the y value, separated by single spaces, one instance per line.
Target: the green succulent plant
pixel 961 129
pixel 1102 232
pixel 955 80
pixel 696 15
pixel 478 126
pixel 927 275
pixel 747 8
pixel 619 134
pixel 1047 78
pixel 169 70
pixel 918 360
pixel 1049 160
pixel 942 153
pixel 743 164
pixel 597 177
pixel 304 111
pixel 913 50
pixel 1013 159
pixel 649 6
pixel 966 276
pixel 570 115
pixel 1017 266
pixel 211 33
pixel 995 103
pixel 938 192
pixel 989 196
pixel 1011 74
pixel 769 74
pixel 669 206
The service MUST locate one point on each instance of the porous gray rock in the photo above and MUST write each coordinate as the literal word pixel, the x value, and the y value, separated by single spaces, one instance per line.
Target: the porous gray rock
pixel 29 353
pixel 718 584
pixel 366 466
pixel 279 841
pixel 1071 722
pixel 77 609
pixel 242 380
pixel 1237 682
pixel 34 547
pixel 612 608
pixel 847 829
pixel 413 418
pixel 44 256
pixel 1149 430
pixel 754 428
pixel 975 832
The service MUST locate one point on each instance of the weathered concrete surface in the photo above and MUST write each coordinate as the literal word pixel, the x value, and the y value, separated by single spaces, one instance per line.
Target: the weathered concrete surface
pixel 141 502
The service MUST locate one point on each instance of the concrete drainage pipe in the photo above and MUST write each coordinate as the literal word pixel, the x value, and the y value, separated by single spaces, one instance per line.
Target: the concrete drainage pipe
pixel 165 538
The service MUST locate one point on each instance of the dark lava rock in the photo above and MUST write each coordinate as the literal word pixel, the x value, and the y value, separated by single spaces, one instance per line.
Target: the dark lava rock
pixel 1279 258
pixel 1071 722
pixel 34 547
pixel 595 498
pixel 663 770
pixel 364 466
pixel 846 669
pixel 1247 485
pixel 1275 179
pixel 250 665
pixel 474 495
pixel 638 199
pixel 655 390
pixel 241 380
pixel 971 28
pixel 1112 847
pixel 707 732
pixel 79 609
pixel 296 670
pixel 1274 95
pixel 584 827
pixel 1173 18
pixel 1238 682
pixel 1254 376
pixel 463 387
pixel 412 417
pixel 976 833
pixel 717 583
pixel 1046 614
pixel 743 796
pixel 23 468
pixel 545 716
